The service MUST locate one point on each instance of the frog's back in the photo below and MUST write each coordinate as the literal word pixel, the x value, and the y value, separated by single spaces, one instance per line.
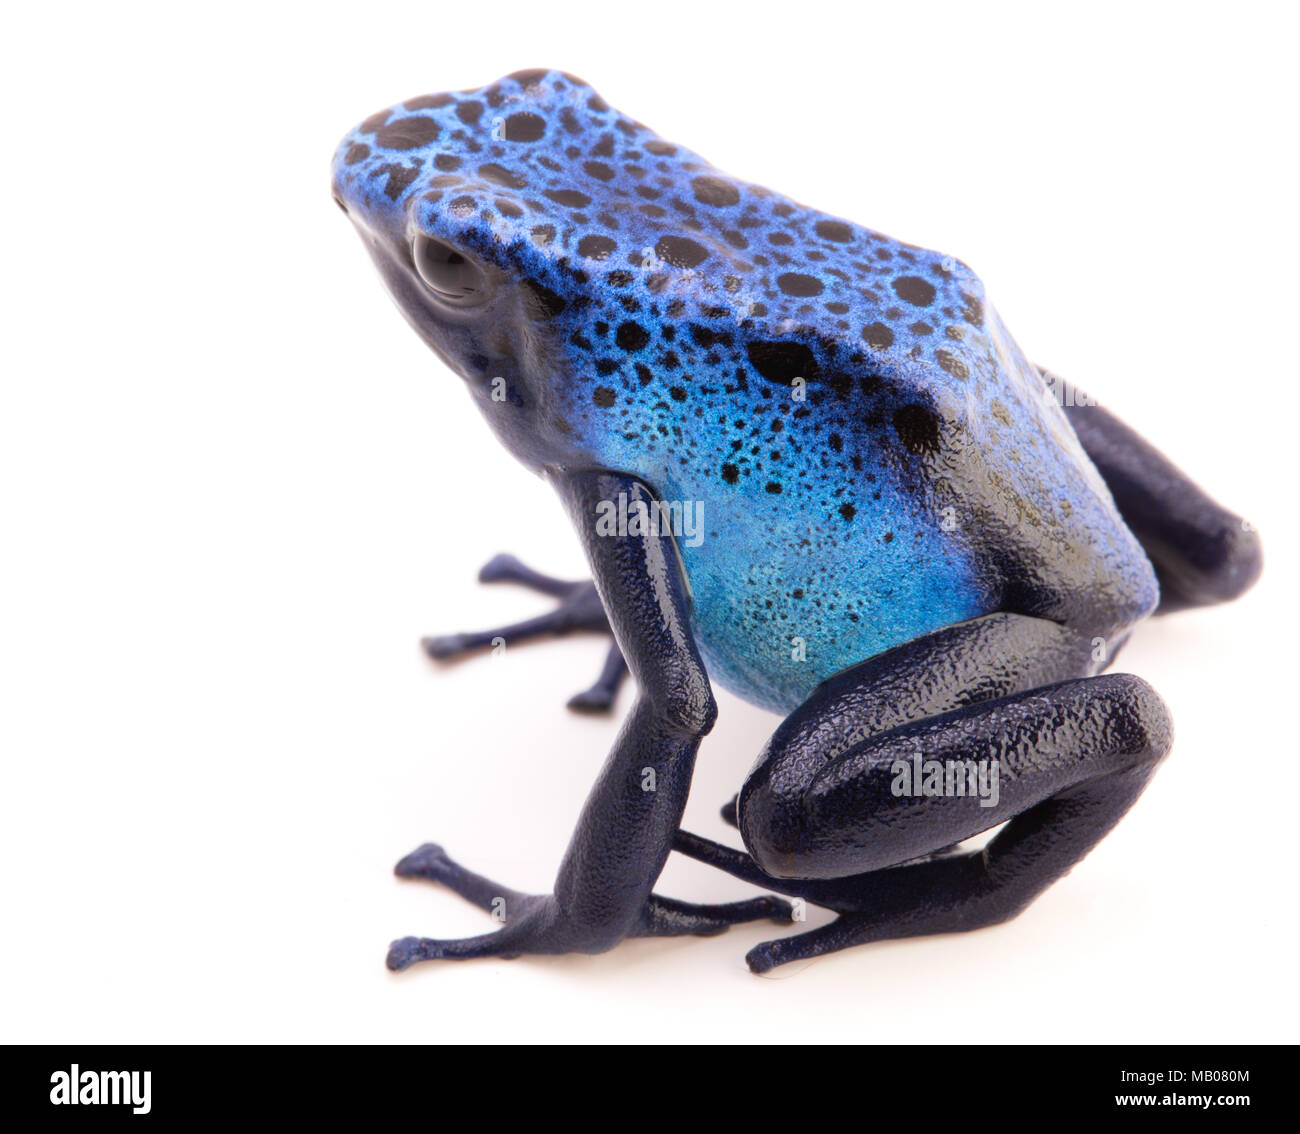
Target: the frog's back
pixel 874 457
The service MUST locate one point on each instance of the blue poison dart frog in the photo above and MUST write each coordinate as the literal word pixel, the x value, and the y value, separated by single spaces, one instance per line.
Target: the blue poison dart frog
pixel 808 462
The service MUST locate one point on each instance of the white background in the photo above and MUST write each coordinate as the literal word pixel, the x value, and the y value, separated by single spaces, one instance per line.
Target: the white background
pixel 236 491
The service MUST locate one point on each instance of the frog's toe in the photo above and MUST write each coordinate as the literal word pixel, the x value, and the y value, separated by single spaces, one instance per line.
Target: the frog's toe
pixel 403 953
pixel 426 861
pixel 440 647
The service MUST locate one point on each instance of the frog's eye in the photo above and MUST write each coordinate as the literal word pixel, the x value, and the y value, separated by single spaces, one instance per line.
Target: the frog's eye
pixel 448 272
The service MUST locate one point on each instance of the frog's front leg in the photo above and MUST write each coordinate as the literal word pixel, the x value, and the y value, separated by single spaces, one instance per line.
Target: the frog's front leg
pixel 662 917
pixel 579 609
pixel 624 834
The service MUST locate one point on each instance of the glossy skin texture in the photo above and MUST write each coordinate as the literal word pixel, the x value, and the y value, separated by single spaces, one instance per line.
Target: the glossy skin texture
pixel 889 491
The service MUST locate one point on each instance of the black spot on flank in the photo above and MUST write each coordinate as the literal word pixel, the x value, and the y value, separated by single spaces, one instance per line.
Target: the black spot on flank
pixel 661 149
pixel 973 311
pixel 427 102
pixel 680 251
pixel 836 231
pixel 598 104
pixel 447 162
pixel 499 175
pixel 463 206
pixel 914 290
pixel 605 147
pixel 599 170
pixel 376 120
pixel 918 429
pixel 523 127
pixel 569 197
pixel 715 191
pixel 730 473
pixel 469 111
pixel 603 396
pixel 836 442
pixel 407 133
pixel 707 337
pixel 358 151
pixel 545 302
pixel 782 362
pixel 508 208
pixel 848 511
pixel 678 393
pixel 878 335
pixel 631 336
pixel 888 537
pixel 596 247
pixel 952 364
pixel 838 308
pixel 773 487
pixel 796 283
pixel 643 374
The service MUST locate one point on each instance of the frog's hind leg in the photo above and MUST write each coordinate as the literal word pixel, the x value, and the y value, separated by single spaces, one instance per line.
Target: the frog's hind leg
pixel 579 609
pixel 1202 553
pixel 856 791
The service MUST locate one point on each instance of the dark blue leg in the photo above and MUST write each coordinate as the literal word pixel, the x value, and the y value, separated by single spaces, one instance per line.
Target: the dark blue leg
pixel 579 610
pixel 822 817
pixel 1202 553
pixel 663 917
pixel 624 834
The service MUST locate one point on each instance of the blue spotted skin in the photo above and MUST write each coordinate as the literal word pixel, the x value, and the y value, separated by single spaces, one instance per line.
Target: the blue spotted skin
pixel 875 457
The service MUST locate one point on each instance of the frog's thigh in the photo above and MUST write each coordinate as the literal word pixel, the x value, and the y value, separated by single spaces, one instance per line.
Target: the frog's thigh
pixel 1202 552
pixel 844 787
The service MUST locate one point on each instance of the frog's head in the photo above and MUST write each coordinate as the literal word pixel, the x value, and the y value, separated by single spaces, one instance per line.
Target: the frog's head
pixel 465 200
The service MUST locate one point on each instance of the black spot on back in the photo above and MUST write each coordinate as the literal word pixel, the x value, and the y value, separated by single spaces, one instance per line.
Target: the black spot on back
pixel 796 283
pixel 715 191
pixel 837 231
pixel 631 336
pixel 570 198
pixel 596 247
pixel 914 290
pixel 680 251
pixel 782 362
pixel 499 175
pixel 917 427
pixel 523 127
pixel 407 133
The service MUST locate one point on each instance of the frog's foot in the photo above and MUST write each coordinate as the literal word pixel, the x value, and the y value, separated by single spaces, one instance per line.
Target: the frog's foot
pixel 531 923
pixel 579 609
